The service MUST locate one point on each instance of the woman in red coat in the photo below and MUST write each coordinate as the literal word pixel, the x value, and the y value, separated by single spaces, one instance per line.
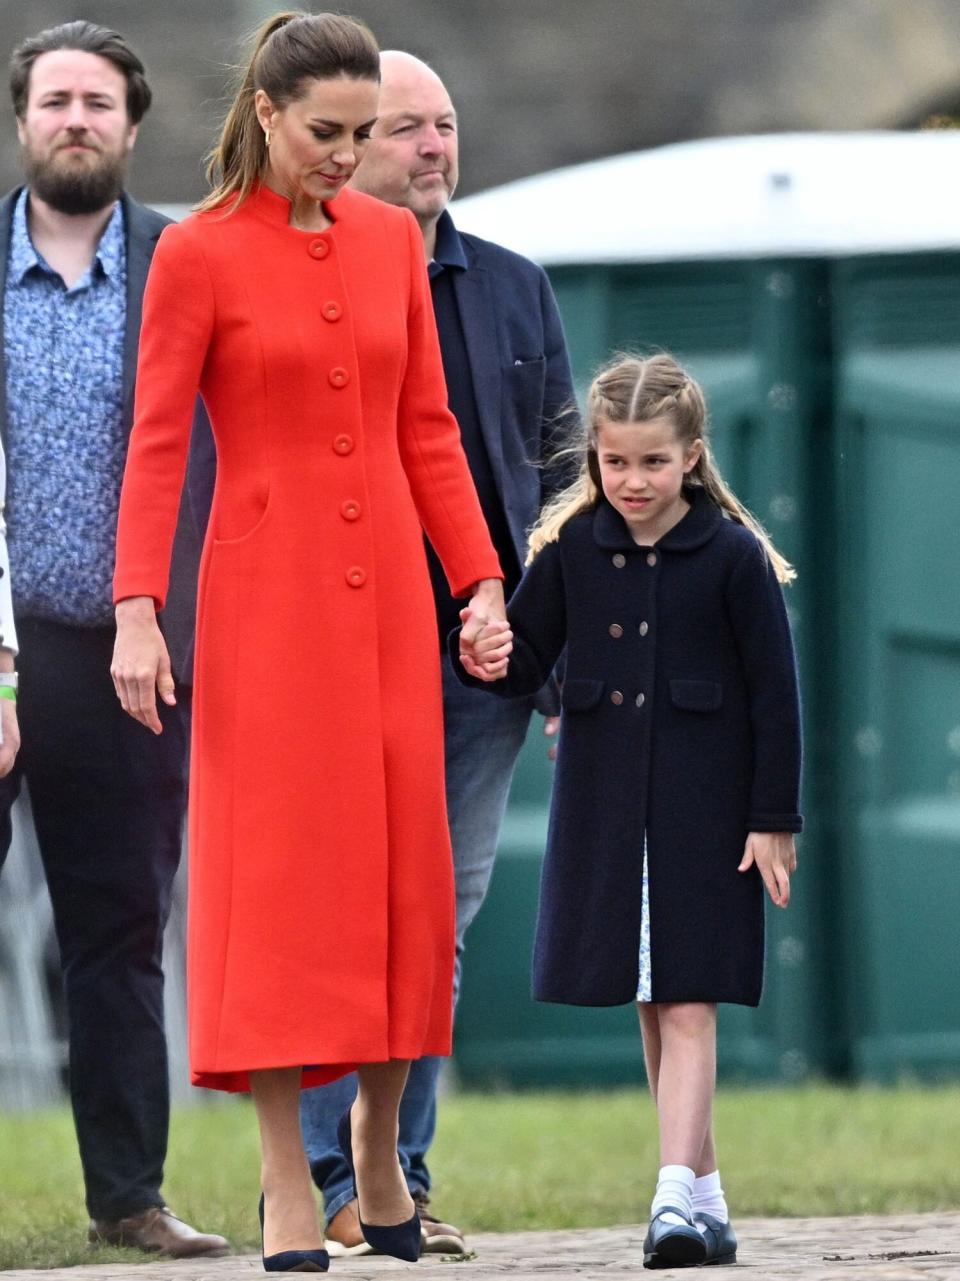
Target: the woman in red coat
pixel 301 311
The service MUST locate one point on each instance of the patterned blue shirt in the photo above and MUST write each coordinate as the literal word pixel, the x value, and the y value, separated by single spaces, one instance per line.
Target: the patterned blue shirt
pixel 66 441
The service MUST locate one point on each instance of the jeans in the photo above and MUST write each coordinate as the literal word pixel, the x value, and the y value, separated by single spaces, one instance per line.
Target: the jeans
pixel 108 799
pixel 483 735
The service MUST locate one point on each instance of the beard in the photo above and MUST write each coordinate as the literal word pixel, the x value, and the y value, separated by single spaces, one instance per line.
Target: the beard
pixel 74 190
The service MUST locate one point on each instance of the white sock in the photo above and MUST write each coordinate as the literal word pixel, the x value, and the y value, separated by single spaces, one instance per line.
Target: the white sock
pixel 708 1197
pixel 674 1188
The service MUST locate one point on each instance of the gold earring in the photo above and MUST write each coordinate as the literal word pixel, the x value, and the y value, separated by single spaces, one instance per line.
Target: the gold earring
pixel 266 136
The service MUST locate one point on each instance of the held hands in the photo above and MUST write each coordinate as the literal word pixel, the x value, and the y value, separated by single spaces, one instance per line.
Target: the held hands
pixel 141 664
pixel 486 639
pixel 775 855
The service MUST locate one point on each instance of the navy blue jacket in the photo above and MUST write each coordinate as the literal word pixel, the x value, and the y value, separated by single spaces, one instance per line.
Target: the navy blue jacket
pixel 521 381
pixel 680 721
pixel 521 375
pixel 143 227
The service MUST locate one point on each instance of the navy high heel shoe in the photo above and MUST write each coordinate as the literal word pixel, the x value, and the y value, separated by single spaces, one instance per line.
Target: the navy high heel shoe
pixel 401 1240
pixel 292 1260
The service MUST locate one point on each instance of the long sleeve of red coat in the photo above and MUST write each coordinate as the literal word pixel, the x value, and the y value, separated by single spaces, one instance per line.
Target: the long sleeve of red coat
pixel 178 316
pixel 429 438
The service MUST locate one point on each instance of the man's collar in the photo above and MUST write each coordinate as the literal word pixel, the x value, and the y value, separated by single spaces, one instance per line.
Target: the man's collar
pixel 110 252
pixel 695 528
pixel 448 250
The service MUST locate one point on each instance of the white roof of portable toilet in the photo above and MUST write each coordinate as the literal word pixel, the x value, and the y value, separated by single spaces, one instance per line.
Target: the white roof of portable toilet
pixel 767 196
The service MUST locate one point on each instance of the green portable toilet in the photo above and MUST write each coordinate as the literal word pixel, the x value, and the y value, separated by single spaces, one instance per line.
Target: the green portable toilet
pixel 897 455
pixel 727 253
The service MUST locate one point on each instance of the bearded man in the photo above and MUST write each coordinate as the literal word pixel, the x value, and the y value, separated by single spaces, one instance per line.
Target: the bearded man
pixel 107 799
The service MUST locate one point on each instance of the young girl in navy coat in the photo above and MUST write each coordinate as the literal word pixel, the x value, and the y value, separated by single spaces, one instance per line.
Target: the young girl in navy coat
pixel 678 772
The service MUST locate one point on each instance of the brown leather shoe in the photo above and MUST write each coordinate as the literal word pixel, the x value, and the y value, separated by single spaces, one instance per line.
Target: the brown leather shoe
pixel 437 1237
pixel 158 1231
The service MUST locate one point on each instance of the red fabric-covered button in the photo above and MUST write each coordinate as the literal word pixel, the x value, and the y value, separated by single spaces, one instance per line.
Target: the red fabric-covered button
pixel 356 576
pixel 318 248
pixel 339 377
pixel 350 510
pixel 343 444
pixel 331 311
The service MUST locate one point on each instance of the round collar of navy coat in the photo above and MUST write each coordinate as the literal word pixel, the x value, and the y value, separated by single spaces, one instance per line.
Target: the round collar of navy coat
pixel 274 208
pixel 697 526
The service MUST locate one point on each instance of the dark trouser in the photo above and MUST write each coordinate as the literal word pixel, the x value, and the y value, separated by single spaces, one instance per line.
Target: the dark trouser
pixel 108 799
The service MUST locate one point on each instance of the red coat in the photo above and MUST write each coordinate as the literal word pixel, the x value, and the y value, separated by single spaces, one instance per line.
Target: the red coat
pixel 321 889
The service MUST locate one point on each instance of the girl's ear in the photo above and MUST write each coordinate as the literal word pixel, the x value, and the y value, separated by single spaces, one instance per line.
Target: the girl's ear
pixel 692 456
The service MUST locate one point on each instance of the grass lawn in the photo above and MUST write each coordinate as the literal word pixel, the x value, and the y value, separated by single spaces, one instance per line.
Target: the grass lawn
pixel 530 1161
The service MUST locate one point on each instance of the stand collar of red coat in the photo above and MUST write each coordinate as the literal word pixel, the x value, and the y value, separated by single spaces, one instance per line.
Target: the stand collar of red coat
pixel 695 529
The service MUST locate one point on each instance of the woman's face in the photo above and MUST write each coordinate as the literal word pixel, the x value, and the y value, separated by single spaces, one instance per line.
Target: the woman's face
pixel 317 140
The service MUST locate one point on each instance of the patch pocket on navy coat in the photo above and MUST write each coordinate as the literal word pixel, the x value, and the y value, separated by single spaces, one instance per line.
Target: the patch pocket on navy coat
pixel 580 695
pixel 697 696
pixel 523 386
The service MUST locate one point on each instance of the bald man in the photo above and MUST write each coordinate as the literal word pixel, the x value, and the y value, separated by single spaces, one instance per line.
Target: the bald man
pixel 510 388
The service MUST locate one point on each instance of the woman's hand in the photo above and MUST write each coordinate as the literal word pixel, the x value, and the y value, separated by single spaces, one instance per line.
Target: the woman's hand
pixel 775 855
pixel 11 736
pixel 485 616
pixel 141 664
pixel 485 605
pixel 486 657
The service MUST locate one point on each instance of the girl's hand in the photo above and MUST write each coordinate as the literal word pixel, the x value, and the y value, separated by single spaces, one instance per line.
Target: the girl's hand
pixel 141 664
pixel 775 855
pixel 11 736
pixel 485 657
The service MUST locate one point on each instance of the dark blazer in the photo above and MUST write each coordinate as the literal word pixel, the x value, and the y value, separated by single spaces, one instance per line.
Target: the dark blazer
pixel 521 375
pixel 680 723
pixel 143 227
pixel 521 380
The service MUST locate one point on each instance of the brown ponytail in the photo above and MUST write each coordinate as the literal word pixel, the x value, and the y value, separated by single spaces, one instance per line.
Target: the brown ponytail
pixel 708 475
pixel 290 48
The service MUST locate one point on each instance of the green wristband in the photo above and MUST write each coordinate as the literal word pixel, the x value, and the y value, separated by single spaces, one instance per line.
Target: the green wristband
pixel 7 691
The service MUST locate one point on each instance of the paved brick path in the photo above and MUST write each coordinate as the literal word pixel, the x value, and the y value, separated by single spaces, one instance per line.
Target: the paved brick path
pixel 916 1247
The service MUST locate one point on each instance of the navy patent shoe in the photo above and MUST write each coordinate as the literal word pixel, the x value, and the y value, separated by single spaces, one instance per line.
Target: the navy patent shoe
pixel 673 1245
pixel 719 1238
pixel 292 1260
pixel 401 1240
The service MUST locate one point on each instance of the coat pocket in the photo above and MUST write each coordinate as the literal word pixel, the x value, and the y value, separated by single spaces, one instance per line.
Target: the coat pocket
pixel 697 696
pixel 251 533
pixel 580 695
pixel 523 385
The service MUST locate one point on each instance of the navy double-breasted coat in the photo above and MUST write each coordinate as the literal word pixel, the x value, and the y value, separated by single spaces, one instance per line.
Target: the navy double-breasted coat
pixel 680 722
